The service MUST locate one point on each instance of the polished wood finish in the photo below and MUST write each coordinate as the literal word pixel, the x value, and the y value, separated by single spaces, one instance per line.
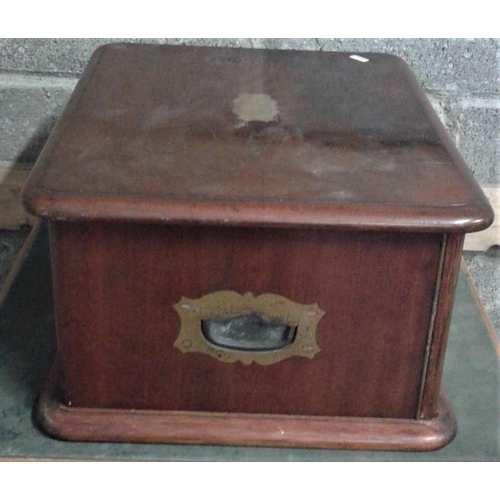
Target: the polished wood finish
pixel 150 426
pixel 164 179
pixel 117 284
pixel 152 135
pixel 439 327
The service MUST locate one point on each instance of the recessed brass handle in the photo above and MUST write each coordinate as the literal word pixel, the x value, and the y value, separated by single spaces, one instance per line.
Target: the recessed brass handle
pixel 248 332
pixel 260 329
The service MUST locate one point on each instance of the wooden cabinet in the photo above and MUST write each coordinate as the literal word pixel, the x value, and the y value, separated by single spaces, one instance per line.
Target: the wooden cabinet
pixel 252 247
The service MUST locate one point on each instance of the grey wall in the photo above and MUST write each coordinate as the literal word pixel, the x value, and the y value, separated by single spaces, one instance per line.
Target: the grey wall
pixel 460 76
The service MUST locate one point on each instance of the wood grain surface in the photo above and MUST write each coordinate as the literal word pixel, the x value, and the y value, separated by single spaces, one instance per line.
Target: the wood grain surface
pixel 116 285
pixel 440 324
pixel 216 428
pixel 153 134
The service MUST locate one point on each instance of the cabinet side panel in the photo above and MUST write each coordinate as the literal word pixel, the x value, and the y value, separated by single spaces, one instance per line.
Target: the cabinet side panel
pixel 116 285
pixel 438 336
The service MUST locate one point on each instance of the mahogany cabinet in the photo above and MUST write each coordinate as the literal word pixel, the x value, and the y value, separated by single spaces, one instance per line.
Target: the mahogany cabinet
pixel 252 247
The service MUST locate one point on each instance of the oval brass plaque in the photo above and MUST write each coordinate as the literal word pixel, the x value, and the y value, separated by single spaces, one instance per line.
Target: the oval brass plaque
pixel 261 329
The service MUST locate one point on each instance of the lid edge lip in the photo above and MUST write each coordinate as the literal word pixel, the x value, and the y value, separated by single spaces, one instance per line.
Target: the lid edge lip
pixel 463 218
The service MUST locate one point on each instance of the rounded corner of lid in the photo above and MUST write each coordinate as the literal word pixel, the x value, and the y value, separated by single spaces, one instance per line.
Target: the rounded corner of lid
pixel 390 57
pixel 489 217
pixel 478 218
pixel 484 220
pixel 106 46
pixel 34 200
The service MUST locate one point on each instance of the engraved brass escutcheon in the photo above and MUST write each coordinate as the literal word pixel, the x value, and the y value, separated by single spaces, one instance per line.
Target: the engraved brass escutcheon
pixel 261 329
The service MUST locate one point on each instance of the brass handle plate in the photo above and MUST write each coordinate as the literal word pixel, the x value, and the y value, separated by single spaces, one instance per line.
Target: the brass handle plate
pixel 261 329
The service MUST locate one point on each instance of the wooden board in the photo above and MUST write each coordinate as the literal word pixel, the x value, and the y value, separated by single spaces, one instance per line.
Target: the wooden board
pixel 484 240
pixel 13 177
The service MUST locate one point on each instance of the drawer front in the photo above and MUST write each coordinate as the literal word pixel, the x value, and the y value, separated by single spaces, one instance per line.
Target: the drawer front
pixel 119 288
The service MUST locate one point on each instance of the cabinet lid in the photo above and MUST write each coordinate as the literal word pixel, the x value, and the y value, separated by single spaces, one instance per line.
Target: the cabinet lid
pixel 253 137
